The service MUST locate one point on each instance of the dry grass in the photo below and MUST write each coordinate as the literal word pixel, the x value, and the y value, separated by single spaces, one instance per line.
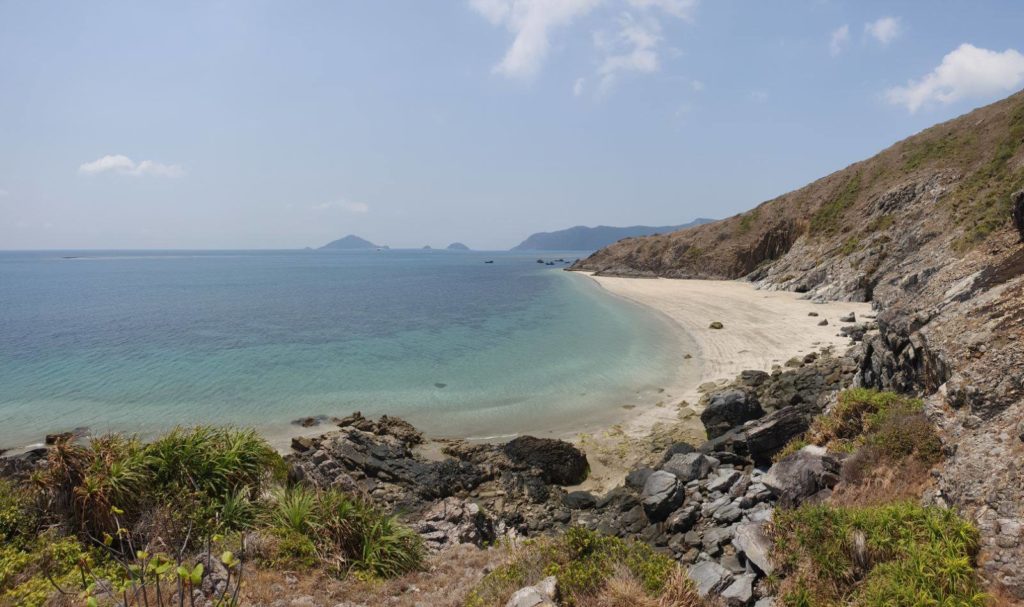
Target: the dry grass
pixel 447 577
pixel 624 590
pixel 887 482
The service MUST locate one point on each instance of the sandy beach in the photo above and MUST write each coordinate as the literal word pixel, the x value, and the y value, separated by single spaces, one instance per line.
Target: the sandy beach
pixel 760 329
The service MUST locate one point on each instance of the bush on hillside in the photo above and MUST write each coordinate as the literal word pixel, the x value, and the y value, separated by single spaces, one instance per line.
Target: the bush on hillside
pixel 897 554
pixel 592 569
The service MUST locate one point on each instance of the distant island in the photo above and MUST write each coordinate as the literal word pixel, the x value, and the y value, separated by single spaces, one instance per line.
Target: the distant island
pixel 350 242
pixel 583 238
pixel 457 246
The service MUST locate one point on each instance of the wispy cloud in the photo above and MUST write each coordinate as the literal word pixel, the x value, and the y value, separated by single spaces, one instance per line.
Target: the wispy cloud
pixel 3 193
pixel 682 9
pixel 632 49
pixel 838 39
pixel 759 96
pixel 884 30
pixel 697 85
pixel 531 21
pixel 357 208
pixel 966 72
pixel 577 87
pixel 123 165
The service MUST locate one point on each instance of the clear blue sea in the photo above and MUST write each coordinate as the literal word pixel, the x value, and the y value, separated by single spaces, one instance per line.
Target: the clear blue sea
pixel 143 341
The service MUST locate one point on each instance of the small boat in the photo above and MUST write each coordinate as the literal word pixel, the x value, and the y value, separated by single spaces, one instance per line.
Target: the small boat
pixel 489 261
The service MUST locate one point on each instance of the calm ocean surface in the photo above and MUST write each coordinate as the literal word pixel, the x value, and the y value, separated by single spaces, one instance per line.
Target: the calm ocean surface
pixel 143 341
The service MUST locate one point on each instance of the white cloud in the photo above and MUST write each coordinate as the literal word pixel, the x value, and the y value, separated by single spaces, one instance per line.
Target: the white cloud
pixel 682 9
pixel 124 165
pixel 697 85
pixel 966 72
pixel 839 38
pixel 633 49
pixel 577 87
pixel 531 21
pixel 358 208
pixel 885 30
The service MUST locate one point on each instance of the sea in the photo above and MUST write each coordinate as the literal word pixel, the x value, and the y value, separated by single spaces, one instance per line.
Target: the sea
pixel 476 345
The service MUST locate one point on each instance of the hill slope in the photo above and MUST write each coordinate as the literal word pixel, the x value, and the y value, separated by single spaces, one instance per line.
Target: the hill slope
pixel 931 231
pixel 583 238
pixel 349 242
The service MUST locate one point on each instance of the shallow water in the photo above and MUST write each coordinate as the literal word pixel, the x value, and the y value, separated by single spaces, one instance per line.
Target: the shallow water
pixel 142 341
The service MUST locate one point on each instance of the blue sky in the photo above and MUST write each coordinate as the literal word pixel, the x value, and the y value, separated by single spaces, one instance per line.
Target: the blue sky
pixel 286 124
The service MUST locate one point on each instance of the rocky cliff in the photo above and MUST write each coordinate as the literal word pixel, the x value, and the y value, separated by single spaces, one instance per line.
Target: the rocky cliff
pixel 931 231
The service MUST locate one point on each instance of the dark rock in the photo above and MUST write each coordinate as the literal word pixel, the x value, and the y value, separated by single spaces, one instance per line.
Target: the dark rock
pixel 682 520
pixel 559 462
pixel 716 325
pixel 637 477
pixel 753 378
pixel 823 322
pixel 727 409
pixel 1017 200
pixel 688 466
pixel 676 448
pixel 662 493
pixel 851 317
pixel 768 435
pixel 302 443
pixel 579 500
pixel 453 521
pixel 800 475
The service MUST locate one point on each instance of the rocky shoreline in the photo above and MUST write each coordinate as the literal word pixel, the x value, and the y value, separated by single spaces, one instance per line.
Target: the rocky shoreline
pixel 705 505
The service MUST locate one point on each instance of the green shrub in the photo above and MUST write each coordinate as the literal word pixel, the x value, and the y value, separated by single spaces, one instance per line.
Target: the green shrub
pixel 897 554
pixel 346 533
pixel 18 521
pixel 826 219
pixel 583 561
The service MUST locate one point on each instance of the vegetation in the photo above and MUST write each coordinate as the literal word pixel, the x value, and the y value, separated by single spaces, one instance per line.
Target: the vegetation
pixel 591 569
pixel 121 519
pixel 883 423
pixel 982 202
pixel 945 147
pixel 747 221
pixel 827 218
pixel 896 554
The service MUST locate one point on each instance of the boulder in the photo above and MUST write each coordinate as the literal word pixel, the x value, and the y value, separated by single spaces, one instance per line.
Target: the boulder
pixel 676 448
pixel 542 594
pixel 768 435
pixel 800 475
pixel 727 409
pixel 740 592
pixel 637 477
pixel 559 462
pixel 851 317
pixel 662 493
pixel 579 500
pixel 709 577
pixel 751 540
pixel 716 325
pixel 682 520
pixel 688 466
pixel 453 521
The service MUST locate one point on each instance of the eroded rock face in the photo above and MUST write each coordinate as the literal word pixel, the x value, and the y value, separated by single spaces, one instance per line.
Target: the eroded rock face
pixel 454 521
pixel 662 493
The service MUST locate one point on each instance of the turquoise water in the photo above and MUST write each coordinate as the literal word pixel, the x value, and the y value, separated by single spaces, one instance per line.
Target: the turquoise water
pixel 143 341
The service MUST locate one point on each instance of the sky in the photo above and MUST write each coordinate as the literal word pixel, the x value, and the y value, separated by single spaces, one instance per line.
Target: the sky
pixel 283 124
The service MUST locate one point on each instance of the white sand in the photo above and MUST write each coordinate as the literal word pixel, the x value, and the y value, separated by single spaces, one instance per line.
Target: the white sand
pixel 761 328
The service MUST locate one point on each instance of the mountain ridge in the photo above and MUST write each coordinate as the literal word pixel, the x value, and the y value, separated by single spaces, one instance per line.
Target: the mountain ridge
pixel 585 238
